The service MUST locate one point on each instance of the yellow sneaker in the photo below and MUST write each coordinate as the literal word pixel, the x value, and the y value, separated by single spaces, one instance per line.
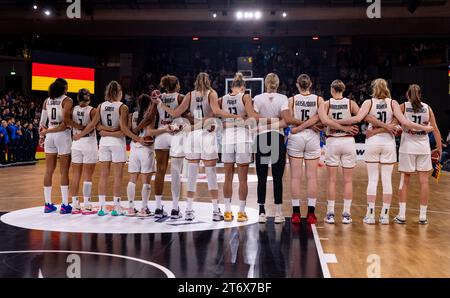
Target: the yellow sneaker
pixel 228 216
pixel 242 216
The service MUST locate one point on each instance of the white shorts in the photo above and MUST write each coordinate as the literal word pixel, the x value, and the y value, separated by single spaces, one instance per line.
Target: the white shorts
pixel 240 153
pixel 305 144
pixel 142 160
pixel 376 152
pixel 340 151
pixel 411 163
pixel 201 145
pixel 177 144
pixel 163 141
pixel 114 153
pixel 58 142
pixel 84 156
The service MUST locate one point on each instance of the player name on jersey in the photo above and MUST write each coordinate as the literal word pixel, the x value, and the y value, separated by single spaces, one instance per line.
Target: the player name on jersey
pixel 339 106
pixel 308 104
pixel 109 109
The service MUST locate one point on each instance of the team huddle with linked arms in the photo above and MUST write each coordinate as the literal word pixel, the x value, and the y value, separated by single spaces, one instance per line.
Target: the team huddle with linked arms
pixel 179 127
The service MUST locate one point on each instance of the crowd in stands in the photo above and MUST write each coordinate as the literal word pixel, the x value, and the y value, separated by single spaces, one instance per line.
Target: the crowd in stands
pixel 19 135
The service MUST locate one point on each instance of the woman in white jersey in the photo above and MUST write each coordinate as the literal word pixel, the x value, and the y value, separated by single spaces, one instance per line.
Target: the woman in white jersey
pixel 380 145
pixel 142 158
pixel 236 145
pixel 201 142
pixel 169 144
pixel 56 109
pixel 112 117
pixel 304 145
pixel 415 152
pixel 84 155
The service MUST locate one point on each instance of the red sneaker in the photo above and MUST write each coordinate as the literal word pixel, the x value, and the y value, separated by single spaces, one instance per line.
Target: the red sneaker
pixel 311 218
pixel 296 218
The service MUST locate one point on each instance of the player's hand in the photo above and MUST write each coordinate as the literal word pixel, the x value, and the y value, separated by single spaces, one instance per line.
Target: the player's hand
pixel 318 127
pixel 428 128
pixel 352 129
pixel 295 130
pixel 369 133
pixel 438 152
pixel 43 131
pixel 78 136
pixel 102 133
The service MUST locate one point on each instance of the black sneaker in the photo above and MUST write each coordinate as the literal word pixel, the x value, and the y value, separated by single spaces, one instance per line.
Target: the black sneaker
pixel 160 213
pixel 176 214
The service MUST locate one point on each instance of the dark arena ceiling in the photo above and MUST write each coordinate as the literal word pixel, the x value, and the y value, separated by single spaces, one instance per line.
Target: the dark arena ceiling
pixel 140 18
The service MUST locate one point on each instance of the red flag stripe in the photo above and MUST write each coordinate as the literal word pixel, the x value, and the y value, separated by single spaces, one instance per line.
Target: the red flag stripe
pixel 66 72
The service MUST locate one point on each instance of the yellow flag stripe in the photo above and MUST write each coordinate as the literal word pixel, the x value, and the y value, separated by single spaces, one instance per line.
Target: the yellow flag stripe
pixel 42 84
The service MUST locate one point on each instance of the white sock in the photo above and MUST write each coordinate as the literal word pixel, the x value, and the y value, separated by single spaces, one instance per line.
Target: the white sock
pixel 215 205
pixel 278 209
pixel 87 188
pixel 158 202
pixel 312 202
pixel 176 165
pixel 370 209
pixel 242 206
pixel 146 190
pixel 75 201
pixel 65 194
pixel 423 212
pixel 295 203
pixel 117 201
pixel 102 200
pixel 131 194
pixel 48 194
pixel 227 203
pixel 385 209
pixel 347 206
pixel 189 202
pixel 402 211
pixel 330 206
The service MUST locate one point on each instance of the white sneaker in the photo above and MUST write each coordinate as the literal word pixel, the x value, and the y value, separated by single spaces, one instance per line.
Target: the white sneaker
pixel 399 220
pixel 262 218
pixel 346 218
pixel 217 216
pixel 279 219
pixel 423 221
pixel 189 215
pixel 370 220
pixel 329 219
pixel 384 219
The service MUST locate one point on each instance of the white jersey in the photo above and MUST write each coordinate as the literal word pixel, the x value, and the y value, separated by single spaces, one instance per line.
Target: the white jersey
pixel 234 104
pixel 339 109
pixel 305 106
pixel 55 111
pixel 170 100
pixel 134 124
pixel 82 116
pixel 200 107
pixel 412 141
pixel 110 117
pixel 382 110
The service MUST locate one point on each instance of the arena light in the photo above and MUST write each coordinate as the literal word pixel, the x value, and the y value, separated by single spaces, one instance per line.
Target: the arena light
pixel 255 38
pixel 315 37
pixel 248 15
pixel 284 14
pixel 35 7
pixel 195 38
pixel 239 15
pixel 47 12
pixel 214 15
pixel 258 15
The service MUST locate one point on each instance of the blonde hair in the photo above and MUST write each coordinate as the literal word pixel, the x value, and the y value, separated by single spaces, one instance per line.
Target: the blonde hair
pixel 272 82
pixel 304 82
pixel 203 83
pixel 380 89
pixel 414 95
pixel 338 86
pixel 238 81
pixel 112 90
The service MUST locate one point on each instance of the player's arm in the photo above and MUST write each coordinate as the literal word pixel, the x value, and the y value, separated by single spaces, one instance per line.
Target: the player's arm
pixel 149 118
pixel 123 123
pixel 183 107
pixel 327 121
pixel 218 112
pixel 407 123
pixel 360 115
pixel 289 117
pixel 44 116
pixel 89 127
pixel 436 133
pixel 249 108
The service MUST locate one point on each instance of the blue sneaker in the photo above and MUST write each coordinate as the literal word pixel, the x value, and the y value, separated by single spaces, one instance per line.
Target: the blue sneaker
pixel 65 209
pixel 49 208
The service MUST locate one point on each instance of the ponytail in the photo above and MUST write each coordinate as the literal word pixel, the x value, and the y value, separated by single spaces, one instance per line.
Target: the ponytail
pixel 272 82
pixel 238 81
pixel 113 90
pixel 304 82
pixel 414 95
pixel 57 88
pixel 203 83
pixel 143 102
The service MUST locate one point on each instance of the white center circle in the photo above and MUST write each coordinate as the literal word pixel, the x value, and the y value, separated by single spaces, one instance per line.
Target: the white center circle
pixel 36 219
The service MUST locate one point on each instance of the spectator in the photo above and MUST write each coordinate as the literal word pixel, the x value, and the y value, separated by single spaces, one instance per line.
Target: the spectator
pixel 4 140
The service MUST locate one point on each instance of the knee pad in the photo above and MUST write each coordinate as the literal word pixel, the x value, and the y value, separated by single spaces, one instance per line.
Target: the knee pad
pixel 192 177
pixel 372 173
pixel 211 175
pixel 386 178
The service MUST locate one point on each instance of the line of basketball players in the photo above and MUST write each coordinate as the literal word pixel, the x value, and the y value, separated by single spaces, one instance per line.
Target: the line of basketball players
pixel 176 126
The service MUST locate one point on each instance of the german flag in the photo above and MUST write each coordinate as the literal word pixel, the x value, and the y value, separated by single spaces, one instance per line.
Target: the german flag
pixel 42 75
